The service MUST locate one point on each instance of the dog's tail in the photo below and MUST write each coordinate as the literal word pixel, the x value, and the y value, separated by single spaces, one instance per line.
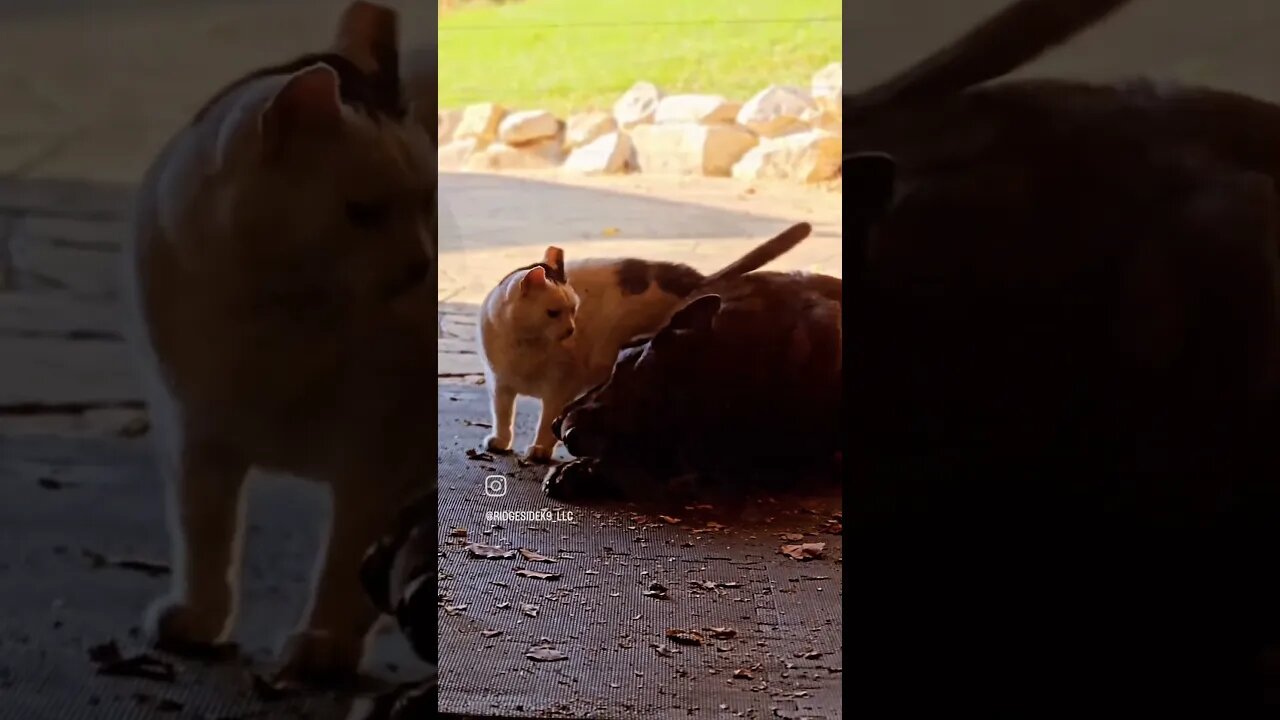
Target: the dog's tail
pixel 1008 40
pixel 762 254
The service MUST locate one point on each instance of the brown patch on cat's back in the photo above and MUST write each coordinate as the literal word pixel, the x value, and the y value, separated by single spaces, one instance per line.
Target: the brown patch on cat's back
pixel 636 276
pixel 377 95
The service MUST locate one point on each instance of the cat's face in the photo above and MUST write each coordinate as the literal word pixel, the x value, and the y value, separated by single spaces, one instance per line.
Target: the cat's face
pixel 539 304
pixel 326 183
pixel 540 307
pixel 627 414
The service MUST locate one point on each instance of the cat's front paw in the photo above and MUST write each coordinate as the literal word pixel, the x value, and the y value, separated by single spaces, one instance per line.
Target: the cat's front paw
pixel 496 444
pixel 315 658
pixel 184 629
pixel 540 453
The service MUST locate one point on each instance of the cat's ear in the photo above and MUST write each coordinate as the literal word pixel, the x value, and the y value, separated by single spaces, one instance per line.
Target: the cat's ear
pixel 309 100
pixel 535 277
pixel 695 316
pixel 554 257
pixel 368 35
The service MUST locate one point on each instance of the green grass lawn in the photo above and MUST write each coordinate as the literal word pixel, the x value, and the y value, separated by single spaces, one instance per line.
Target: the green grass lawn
pixel 570 55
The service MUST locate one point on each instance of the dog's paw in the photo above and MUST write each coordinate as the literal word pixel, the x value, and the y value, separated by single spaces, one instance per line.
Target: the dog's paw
pixel 539 453
pixel 570 481
pixel 496 444
pixel 184 629
pixel 314 658
pixel 416 702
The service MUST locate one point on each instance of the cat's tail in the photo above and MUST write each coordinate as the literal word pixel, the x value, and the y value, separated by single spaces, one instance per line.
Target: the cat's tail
pixel 1011 38
pixel 763 254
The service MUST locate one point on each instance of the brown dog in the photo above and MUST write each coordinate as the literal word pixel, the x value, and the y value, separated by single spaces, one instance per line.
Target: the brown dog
pixel 744 380
pixel 938 116
pixel 1062 258
pixel 283 270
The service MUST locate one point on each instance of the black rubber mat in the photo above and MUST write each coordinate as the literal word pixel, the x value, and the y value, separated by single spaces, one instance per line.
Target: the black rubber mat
pixel 784 659
pixel 70 510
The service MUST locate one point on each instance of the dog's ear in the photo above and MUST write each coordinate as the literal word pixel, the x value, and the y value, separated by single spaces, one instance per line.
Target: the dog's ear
pixel 636 341
pixel 870 181
pixel 695 316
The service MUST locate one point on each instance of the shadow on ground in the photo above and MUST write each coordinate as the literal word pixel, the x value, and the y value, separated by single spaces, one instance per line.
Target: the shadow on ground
pixel 768 627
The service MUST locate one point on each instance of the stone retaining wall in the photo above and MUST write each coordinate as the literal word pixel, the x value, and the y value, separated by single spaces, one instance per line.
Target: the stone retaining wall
pixel 781 133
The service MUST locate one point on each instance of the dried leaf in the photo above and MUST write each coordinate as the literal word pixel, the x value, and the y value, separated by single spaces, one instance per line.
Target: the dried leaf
pixel 476 455
pixel 722 633
pixel 794 537
pixel 503 605
pixel 98 560
pixel 534 556
pixel 111 662
pixel 107 652
pixel 656 590
pixel 710 528
pixel 489 552
pixel 807 654
pixel 805 551
pixel 146 567
pixel 530 610
pixel 684 637
pixel 537 575
pixel 663 650
pixel 269 690
pixel 490 633
pixel 134 427
pixel 454 609
pixel 730 584
pixel 545 653
pixel 669 520
pixel 457 532
pixel 742 674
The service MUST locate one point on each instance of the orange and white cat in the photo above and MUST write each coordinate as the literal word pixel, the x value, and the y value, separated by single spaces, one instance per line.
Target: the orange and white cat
pixel 283 276
pixel 552 331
